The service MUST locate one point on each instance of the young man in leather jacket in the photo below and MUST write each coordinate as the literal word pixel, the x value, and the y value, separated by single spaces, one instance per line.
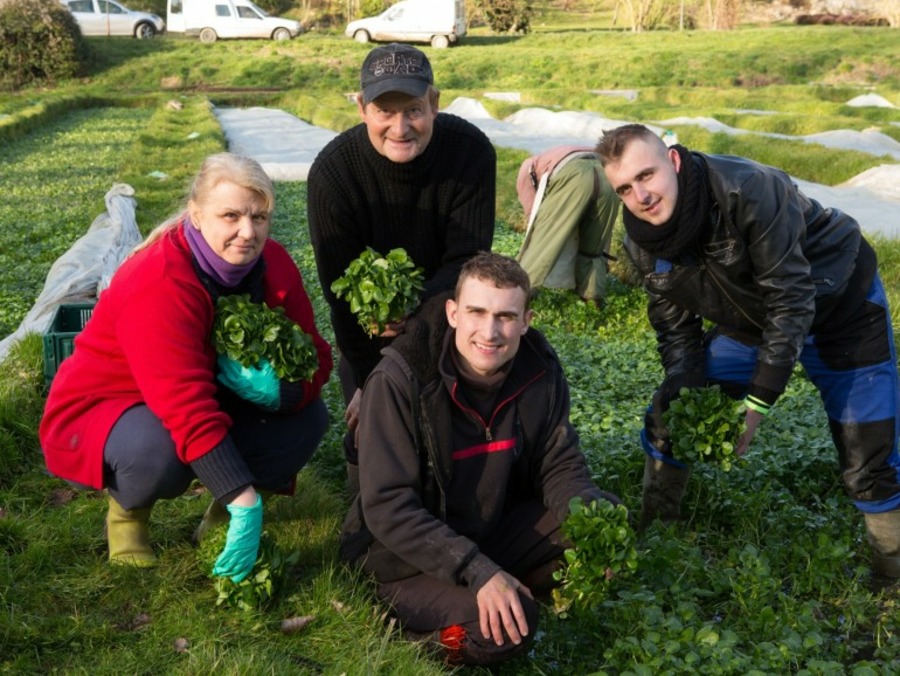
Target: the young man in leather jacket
pixel 782 279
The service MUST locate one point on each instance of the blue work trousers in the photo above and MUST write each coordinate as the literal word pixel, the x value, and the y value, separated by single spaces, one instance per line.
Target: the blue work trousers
pixel 854 367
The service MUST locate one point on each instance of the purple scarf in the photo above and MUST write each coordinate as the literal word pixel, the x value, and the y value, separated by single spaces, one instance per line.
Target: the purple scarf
pixel 222 272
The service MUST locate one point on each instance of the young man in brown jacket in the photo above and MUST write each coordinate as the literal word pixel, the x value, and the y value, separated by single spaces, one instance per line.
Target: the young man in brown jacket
pixel 468 463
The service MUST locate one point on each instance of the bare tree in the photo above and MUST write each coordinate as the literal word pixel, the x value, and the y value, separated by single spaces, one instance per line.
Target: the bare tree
pixel 723 14
pixel 641 14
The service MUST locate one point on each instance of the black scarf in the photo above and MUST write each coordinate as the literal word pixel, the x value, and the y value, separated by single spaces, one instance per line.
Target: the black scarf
pixel 677 235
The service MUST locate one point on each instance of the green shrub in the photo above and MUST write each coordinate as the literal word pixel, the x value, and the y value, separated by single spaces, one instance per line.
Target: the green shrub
pixel 39 41
pixel 372 7
pixel 507 16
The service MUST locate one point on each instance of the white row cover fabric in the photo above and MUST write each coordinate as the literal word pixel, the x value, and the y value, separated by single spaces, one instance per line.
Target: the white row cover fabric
pixel 87 267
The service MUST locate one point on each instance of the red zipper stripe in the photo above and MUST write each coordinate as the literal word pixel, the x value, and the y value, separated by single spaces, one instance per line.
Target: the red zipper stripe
pixel 481 449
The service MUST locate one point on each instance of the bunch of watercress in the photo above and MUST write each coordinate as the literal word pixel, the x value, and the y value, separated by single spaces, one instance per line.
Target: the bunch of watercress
pixel 705 424
pixel 249 332
pixel 602 550
pixel 264 582
pixel 380 289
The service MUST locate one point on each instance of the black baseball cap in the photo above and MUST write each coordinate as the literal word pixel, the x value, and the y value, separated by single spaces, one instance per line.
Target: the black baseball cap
pixel 395 68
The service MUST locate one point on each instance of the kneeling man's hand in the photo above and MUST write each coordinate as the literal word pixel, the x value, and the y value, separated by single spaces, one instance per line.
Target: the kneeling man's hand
pixel 499 608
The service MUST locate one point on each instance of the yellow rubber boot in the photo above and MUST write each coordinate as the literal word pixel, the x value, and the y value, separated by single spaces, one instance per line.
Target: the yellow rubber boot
pixel 128 534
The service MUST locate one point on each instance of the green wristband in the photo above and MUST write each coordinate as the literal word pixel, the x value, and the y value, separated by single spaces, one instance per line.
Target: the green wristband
pixel 757 405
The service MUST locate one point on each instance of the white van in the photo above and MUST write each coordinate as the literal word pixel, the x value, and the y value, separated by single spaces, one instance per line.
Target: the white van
pixel 214 19
pixel 439 22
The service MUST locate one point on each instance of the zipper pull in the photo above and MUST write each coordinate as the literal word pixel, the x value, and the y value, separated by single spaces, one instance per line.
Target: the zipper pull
pixel 487 434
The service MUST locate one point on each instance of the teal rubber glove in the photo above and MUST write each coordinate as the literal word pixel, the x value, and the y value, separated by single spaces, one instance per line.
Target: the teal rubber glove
pixel 241 543
pixel 258 384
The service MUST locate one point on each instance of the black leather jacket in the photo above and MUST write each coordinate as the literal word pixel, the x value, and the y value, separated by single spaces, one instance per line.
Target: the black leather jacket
pixel 769 269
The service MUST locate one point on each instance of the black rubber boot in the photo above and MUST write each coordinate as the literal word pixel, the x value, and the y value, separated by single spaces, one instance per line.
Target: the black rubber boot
pixel 884 538
pixel 664 487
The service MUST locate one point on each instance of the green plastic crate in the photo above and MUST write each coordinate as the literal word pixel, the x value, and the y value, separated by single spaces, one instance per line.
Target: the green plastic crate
pixel 68 321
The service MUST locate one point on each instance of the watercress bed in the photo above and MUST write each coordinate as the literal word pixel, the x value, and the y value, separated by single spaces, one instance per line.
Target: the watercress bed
pixel 767 574
pixel 380 289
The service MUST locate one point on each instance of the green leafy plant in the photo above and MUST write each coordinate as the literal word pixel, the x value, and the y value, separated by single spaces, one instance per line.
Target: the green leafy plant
pixel 265 581
pixel 380 289
pixel 602 549
pixel 249 332
pixel 705 424
pixel 39 41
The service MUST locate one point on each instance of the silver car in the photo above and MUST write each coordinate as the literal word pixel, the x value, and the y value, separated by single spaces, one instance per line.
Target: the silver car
pixel 107 17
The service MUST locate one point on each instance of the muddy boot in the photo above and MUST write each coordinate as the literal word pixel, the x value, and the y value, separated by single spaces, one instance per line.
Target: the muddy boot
pixel 215 515
pixel 884 538
pixel 128 533
pixel 664 487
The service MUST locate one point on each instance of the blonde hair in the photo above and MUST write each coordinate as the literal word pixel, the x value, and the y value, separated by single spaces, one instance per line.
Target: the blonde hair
pixel 238 169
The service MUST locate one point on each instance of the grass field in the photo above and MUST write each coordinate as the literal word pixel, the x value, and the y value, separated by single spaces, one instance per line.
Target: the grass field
pixel 768 573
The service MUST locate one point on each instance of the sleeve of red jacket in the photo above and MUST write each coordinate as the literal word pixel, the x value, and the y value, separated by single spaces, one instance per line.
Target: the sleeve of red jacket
pixel 164 330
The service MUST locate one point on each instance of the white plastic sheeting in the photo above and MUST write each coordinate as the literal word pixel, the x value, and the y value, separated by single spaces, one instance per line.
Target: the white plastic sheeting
pixel 87 267
pixel 286 146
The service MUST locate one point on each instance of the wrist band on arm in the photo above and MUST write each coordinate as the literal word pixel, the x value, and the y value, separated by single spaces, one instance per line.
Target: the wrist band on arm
pixel 755 404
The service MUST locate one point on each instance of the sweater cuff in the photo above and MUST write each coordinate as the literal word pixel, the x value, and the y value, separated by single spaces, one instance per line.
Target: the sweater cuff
pixel 768 382
pixel 291 394
pixel 478 571
pixel 223 470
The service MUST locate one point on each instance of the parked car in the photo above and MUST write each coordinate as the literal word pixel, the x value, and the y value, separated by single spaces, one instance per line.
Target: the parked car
pixel 214 19
pixel 108 17
pixel 438 22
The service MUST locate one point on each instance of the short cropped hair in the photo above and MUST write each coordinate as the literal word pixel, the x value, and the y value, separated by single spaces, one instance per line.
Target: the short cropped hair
pixel 614 141
pixel 502 271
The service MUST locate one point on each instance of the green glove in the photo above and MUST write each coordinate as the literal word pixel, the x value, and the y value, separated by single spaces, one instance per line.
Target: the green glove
pixel 241 543
pixel 258 384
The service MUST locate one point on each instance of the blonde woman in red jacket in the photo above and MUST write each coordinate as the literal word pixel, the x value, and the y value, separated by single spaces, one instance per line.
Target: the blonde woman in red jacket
pixel 144 405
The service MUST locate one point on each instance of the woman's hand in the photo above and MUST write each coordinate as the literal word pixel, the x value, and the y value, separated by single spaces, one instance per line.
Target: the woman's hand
pixel 499 608
pixel 258 384
pixel 242 541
